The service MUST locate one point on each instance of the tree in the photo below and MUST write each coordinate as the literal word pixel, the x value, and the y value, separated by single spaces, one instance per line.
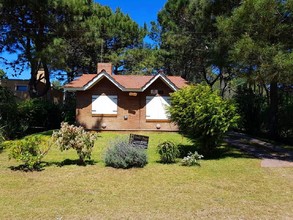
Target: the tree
pixel 30 29
pixel 259 33
pixel 202 116
pixel 2 74
pixel 189 37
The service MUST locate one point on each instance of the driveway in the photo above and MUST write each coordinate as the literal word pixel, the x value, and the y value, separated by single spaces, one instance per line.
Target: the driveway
pixel 271 155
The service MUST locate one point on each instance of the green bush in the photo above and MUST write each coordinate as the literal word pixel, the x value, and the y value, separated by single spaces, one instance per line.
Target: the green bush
pixel 121 154
pixel 39 114
pixel 30 151
pixel 202 116
pixel 70 136
pixel 9 117
pixel 285 116
pixel 69 108
pixel 168 152
pixel 1 139
pixel 252 109
pixel 192 159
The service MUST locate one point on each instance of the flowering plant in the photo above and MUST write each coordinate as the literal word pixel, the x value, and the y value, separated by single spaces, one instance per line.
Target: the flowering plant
pixel 192 159
pixel 70 136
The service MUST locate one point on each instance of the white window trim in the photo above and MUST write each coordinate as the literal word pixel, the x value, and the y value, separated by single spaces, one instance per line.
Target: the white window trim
pixel 156 108
pixel 105 105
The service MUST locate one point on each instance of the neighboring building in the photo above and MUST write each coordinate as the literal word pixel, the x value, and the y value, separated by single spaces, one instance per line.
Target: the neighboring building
pixel 123 102
pixel 20 89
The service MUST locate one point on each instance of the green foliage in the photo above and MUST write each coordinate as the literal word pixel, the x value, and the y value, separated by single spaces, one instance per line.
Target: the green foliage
pixel 1 138
pixel 69 108
pixel 70 136
pixel 285 115
pixel 9 117
pixel 259 37
pixel 192 159
pixel 168 152
pixel 2 74
pixel 30 150
pixel 121 154
pixel 202 115
pixel 39 114
pixel 190 39
pixel 252 108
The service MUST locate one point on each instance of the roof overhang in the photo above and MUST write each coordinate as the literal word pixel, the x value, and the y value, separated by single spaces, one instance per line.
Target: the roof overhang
pixel 103 74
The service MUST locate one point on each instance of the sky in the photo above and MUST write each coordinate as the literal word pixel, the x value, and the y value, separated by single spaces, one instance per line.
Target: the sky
pixel 141 11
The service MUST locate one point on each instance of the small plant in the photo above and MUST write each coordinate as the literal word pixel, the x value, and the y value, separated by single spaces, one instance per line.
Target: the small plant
pixel 168 152
pixel 1 139
pixel 30 151
pixel 70 136
pixel 121 154
pixel 192 159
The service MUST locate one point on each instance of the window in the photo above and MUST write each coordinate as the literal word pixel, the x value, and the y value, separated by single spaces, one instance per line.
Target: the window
pixel 156 107
pixel 21 88
pixel 104 105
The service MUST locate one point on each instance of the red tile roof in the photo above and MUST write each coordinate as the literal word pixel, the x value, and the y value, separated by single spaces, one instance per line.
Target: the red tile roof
pixel 127 81
pixel 81 81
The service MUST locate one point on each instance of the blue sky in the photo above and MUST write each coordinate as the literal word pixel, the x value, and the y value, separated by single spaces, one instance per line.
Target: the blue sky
pixel 141 11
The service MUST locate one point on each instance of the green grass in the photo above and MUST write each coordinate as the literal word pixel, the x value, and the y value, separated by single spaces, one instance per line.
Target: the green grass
pixel 233 186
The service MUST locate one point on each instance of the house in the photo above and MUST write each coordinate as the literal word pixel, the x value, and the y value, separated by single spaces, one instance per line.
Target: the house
pixel 20 89
pixel 123 102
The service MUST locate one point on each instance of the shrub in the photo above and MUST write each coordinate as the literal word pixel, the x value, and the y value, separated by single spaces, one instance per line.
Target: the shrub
pixel 9 118
pixel 121 154
pixel 252 108
pixel 70 136
pixel 1 139
pixel 41 114
pixel 30 151
pixel 192 159
pixel 202 116
pixel 168 152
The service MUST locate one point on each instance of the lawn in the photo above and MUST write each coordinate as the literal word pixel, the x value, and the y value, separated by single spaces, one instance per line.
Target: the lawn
pixel 232 186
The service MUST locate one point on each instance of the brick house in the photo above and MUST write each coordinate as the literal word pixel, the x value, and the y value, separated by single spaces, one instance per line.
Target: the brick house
pixel 123 102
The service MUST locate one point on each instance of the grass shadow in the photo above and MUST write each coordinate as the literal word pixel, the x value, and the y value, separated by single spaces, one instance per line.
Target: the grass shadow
pixel 221 152
pixel 24 168
pixel 68 162
pixel 185 149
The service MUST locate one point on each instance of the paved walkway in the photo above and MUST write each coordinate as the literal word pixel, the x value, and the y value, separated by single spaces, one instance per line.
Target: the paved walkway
pixel 271 155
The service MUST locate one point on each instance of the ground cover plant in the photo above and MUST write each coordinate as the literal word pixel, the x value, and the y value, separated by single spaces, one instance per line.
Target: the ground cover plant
pixel 231 186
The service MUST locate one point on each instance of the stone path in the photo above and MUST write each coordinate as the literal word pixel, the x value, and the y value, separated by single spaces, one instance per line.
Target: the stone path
pixel 271 155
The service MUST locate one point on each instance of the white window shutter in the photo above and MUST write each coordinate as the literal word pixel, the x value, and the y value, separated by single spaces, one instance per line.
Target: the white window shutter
pixel 156 107
pixel 103 104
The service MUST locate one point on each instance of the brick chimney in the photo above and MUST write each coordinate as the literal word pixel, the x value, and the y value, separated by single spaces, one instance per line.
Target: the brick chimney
pixel 104 66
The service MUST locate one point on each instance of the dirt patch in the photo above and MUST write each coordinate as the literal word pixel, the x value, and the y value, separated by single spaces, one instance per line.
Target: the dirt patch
pixel 275 163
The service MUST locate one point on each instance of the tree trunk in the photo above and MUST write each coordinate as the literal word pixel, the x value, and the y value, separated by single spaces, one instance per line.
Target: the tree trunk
pixel 34 91
pixel 273 116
